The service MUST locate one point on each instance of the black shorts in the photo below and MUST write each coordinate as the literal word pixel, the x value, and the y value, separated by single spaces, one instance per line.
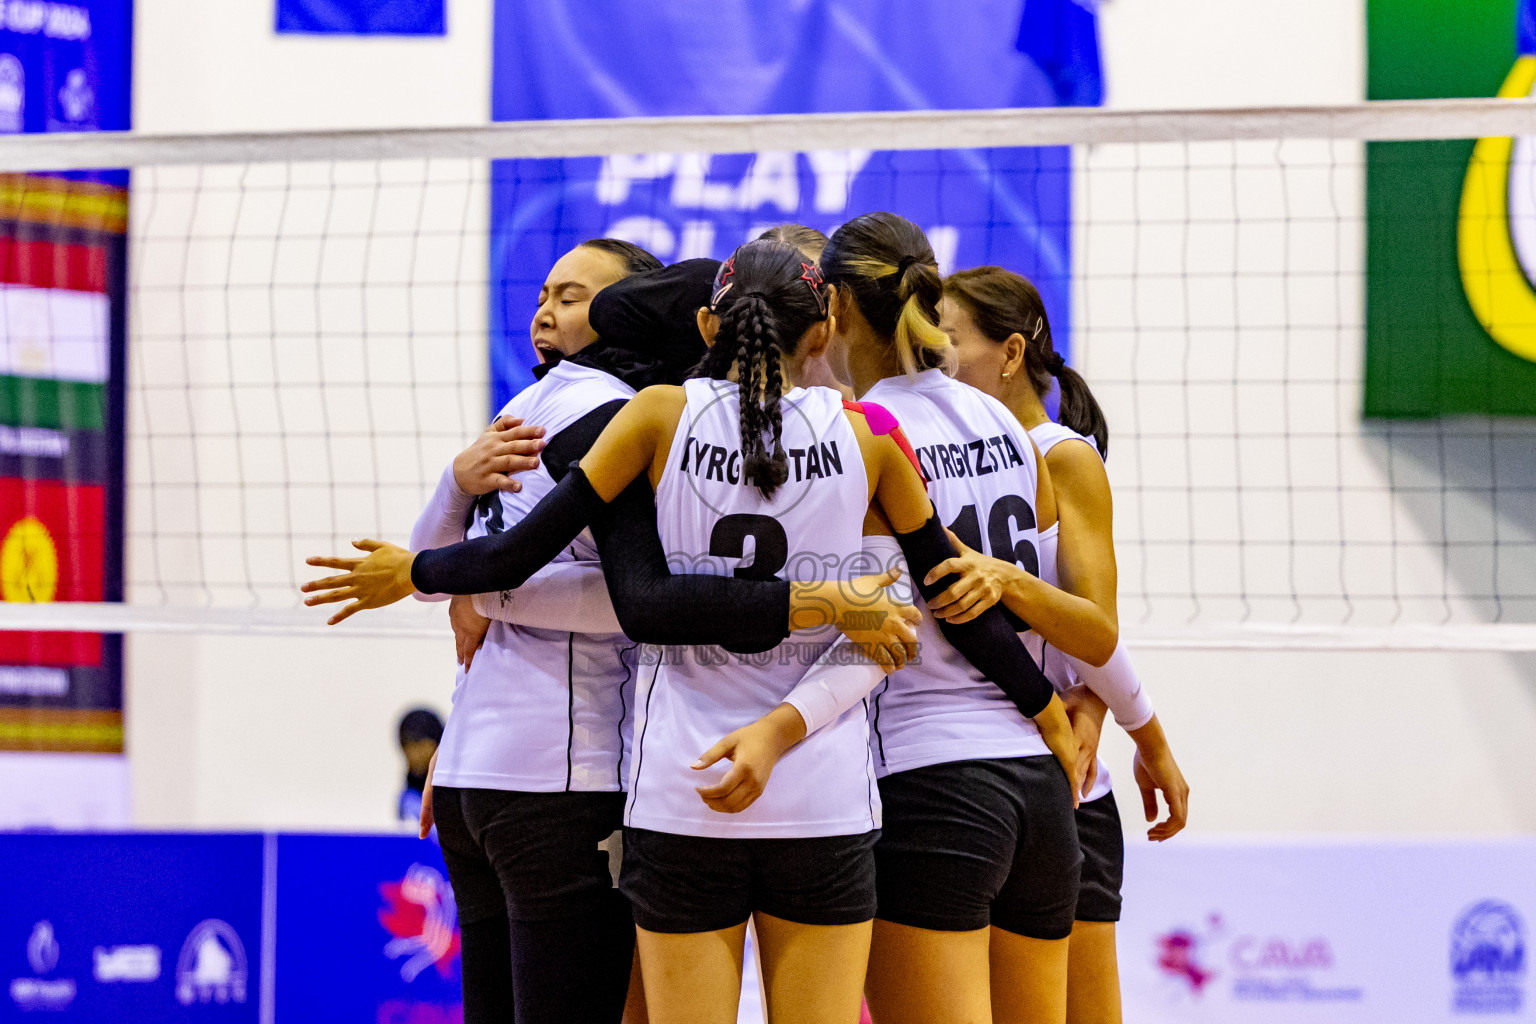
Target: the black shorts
pixel 532 856
pixel 973 843
pixel 683 884
pixel 1103 845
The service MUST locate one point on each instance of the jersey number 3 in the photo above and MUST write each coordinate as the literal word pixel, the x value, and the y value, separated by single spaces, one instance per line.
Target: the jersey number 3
pixel 770 544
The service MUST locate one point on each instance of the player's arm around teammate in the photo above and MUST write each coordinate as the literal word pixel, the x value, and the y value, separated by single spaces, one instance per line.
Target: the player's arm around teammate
pixel 1003 338
pixel 978 826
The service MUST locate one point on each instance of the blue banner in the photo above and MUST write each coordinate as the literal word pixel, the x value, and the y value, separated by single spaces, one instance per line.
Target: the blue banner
pixel 376 912
pixel 586 59
pixel 132 927
pixel 228 928
pixel 362 17
pixel 65 67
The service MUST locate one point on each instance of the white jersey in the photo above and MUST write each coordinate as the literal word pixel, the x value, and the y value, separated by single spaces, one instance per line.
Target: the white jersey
pixel 981 477
pixel 542 710
pixel 1057 669
pixel 713 521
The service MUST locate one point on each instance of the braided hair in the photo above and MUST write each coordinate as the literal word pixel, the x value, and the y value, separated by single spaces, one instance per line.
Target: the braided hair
pixel 1003 303
pixel 767 295
pixel 885 261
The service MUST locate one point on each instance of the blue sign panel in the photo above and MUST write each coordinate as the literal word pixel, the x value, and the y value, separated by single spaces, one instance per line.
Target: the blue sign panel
pixel 578 59
pixel 65 67
pixel 377 912
pixel 132 927
pixel 362 17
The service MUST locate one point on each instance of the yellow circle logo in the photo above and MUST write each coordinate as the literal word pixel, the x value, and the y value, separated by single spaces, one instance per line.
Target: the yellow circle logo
pixel 29 565
pixel 1494 240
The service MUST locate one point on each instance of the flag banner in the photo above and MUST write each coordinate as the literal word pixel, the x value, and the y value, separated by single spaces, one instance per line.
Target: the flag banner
pixel 1451 225
pixel 362 17
pixel 1011 207
pixel 64 66
pixel 40 453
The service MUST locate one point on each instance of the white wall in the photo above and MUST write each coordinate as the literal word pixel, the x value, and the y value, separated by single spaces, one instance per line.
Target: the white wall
pixel 1242 53
pixel 219 67
pixel 296 732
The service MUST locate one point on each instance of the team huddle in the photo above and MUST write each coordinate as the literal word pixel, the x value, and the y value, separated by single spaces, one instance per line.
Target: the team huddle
pixel 782 568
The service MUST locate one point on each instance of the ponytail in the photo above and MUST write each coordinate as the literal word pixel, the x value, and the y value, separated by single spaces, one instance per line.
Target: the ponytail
pixel 766 297
pixel 1080 410
pixel 1003 303
pixel 885 261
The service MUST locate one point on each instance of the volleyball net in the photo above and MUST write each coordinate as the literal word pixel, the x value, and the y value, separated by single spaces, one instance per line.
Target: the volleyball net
pixel 1310 331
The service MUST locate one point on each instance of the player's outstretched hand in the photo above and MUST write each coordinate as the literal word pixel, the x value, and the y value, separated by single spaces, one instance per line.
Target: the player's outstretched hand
pixel 506 447
pixel 381 578
pixel 753 750
pixel 879 620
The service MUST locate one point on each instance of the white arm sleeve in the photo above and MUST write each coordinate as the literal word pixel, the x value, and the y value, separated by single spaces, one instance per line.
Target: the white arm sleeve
pixel 442 522
pixel 843 676
pixel 839 680
pixel 1117 684
pixel 571 596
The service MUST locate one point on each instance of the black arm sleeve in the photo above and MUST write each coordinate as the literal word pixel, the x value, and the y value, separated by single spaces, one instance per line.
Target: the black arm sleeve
pixel 988 642
pixel 504 561
pixel 653 604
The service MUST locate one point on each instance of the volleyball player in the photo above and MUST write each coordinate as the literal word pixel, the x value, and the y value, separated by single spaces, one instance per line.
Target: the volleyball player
pixel 645 332
pixel 998 324
pixel 528 778
pixel 817 371
pixel 690 955
pixel 978 859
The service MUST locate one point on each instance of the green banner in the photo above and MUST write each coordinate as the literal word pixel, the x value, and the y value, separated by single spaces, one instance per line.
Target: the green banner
pixel 1450 307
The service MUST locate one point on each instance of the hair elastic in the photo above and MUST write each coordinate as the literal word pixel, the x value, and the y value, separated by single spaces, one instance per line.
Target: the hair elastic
pixel 810 273
pixel 723 282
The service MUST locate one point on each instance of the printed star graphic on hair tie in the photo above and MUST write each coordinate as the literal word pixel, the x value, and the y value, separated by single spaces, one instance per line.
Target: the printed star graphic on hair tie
pixel 722 281
pixel 810 273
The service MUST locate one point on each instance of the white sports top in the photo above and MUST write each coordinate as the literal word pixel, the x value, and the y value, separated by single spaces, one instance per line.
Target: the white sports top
pixel 1116 682
pixel 712 521
pixel 542 710
pixel 981 478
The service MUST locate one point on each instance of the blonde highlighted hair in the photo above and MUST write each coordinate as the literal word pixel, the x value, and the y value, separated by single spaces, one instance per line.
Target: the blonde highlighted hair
pixel 888 266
